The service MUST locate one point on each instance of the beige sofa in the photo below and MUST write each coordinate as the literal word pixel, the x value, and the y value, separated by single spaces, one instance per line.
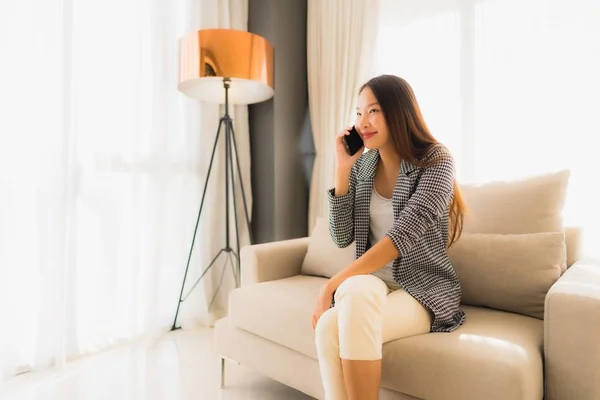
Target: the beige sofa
pixel 532 329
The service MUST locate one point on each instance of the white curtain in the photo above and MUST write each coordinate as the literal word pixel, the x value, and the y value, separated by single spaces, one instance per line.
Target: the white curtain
pixel 511 86
pixel 341 39
pixel 102 165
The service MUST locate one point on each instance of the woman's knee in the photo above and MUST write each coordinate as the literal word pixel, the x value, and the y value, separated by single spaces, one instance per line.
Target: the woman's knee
pixel 362 288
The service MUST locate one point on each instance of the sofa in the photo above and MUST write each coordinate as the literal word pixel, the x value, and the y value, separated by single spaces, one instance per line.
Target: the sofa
pixel 532 329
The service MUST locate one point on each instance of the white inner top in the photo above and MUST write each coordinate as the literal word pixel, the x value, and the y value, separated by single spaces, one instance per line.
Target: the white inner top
pixel 381 218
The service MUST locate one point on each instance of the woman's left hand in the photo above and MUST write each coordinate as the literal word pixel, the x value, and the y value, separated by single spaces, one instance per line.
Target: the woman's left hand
pixel 323 304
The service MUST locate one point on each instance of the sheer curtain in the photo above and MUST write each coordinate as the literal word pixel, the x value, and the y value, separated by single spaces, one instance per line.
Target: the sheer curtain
pixel 102 165
pixel 512 87
pixel 340 47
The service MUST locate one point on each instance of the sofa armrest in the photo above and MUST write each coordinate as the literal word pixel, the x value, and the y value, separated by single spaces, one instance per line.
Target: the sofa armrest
pixel 572 334
pixel 272 261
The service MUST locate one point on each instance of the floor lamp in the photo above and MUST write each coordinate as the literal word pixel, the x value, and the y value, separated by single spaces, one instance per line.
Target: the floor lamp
pixel 224 66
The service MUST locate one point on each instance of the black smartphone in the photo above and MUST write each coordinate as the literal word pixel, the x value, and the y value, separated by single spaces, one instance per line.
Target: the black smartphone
pixel 353 142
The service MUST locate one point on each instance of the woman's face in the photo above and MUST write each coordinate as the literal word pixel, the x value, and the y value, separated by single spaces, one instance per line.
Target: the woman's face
pixel 370 121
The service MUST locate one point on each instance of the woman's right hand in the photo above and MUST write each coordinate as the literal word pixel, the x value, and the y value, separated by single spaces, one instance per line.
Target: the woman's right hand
pixel 344 161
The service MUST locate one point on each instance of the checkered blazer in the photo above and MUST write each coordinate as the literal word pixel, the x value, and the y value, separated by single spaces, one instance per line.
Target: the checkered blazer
pixel 421 202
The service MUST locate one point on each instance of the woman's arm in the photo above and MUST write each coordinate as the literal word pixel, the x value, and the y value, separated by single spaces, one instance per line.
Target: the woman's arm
pixel 373 259
pixel 430 201
pixel 341 197
pixel 341 208
pixel 342 183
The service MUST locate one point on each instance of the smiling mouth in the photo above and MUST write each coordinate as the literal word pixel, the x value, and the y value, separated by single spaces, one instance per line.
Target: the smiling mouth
pixel 368 135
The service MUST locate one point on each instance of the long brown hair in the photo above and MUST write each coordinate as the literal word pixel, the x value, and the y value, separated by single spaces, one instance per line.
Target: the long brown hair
pixel 411 136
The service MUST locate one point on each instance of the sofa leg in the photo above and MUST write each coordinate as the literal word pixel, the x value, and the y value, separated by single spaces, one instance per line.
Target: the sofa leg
pixel 222 372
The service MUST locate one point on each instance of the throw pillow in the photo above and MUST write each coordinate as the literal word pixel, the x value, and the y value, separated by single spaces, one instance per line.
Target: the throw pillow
pixel 508 272
pixel 323 257
pixel 529 205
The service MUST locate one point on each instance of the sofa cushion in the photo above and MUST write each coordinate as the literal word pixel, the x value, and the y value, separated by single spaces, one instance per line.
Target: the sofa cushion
pixel 508 272
pixel 530 205
pixel 279 310
pixel 493 352
pixel 323 257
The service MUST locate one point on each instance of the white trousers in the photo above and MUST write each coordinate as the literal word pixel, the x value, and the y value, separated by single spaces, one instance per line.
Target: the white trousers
pixel 366 315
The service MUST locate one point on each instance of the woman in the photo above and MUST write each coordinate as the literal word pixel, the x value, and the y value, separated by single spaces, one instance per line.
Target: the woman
pixel 399 202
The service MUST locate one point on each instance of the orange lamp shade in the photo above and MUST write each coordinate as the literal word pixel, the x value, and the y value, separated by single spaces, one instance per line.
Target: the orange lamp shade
pixel 209 55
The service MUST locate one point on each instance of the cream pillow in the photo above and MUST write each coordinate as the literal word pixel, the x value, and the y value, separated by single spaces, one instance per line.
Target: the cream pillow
pixel 508 272
pixel 529 205
pixel 323 257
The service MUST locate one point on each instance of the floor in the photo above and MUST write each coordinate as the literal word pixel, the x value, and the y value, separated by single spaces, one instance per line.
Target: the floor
pixel 182 365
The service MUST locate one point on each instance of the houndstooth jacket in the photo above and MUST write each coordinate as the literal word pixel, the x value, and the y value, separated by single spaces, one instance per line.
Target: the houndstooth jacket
pixel 421 201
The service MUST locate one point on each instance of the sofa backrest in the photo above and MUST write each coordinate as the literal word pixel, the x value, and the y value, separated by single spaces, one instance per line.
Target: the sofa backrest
pixel 573 244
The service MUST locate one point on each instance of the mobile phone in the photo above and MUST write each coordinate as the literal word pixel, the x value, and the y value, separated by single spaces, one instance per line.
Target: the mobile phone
pixel 353 142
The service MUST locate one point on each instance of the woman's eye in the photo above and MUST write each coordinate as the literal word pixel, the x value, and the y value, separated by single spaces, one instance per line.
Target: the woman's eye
pixel 373 111
pixel 358 114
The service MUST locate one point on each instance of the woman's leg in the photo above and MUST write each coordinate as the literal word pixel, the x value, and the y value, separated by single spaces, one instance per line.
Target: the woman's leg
pixel 403 316
pixel 368 316
pixel 328 351
pixel 360 301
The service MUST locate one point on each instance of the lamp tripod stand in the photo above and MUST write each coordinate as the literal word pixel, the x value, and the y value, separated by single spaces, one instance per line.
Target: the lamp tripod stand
pixel 230 146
